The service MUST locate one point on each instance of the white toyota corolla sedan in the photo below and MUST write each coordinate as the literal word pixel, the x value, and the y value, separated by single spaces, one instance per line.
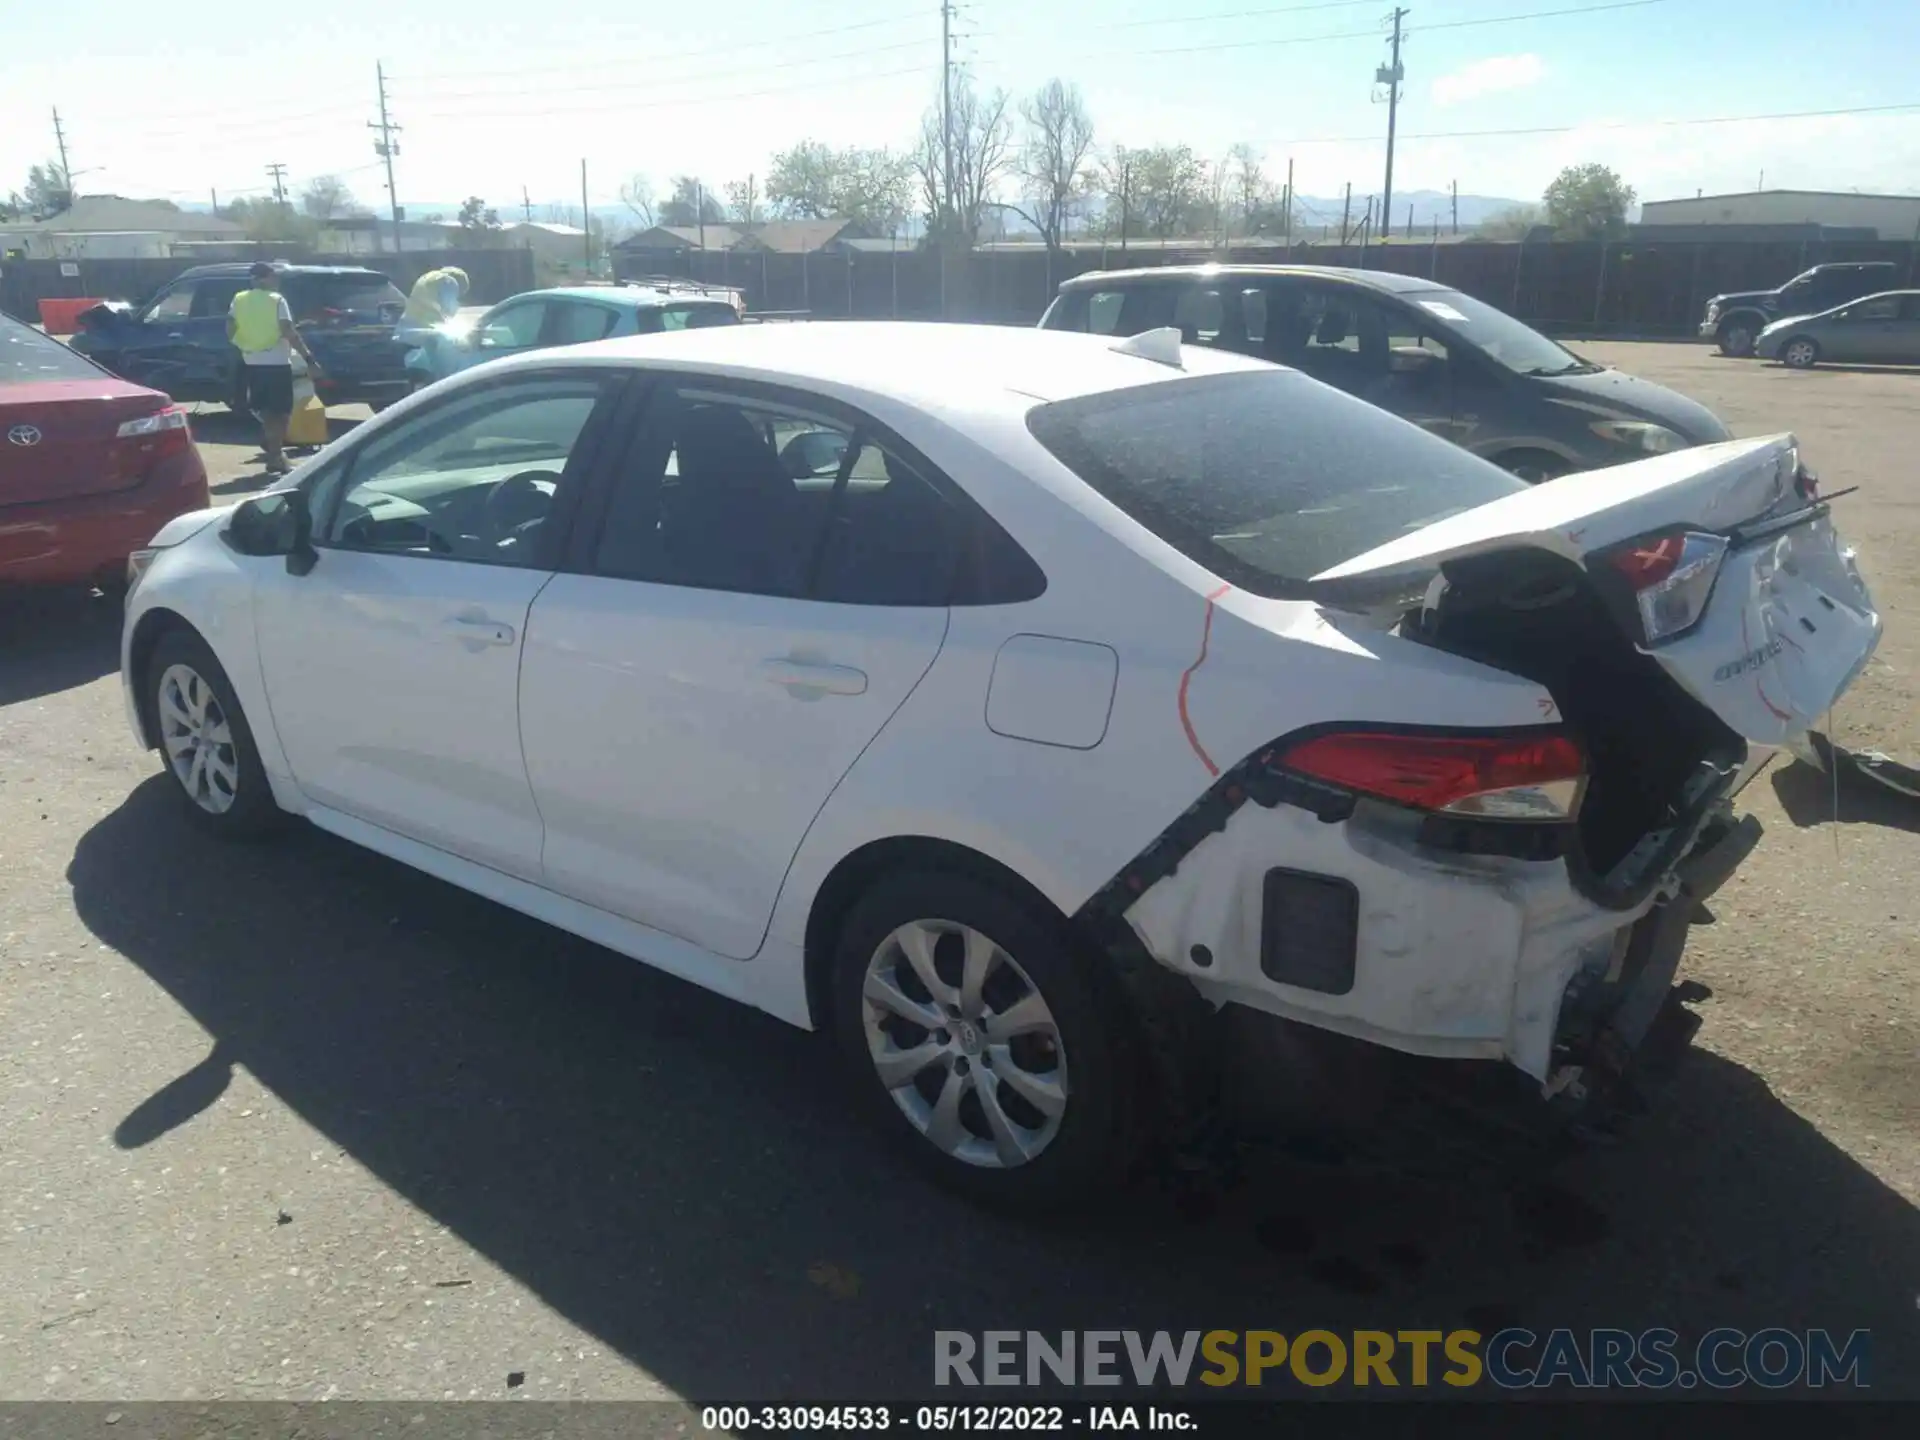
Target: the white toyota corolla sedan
pixel 1066 726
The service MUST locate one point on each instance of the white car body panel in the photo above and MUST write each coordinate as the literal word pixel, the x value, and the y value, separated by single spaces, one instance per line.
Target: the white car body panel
pixel 683 804
pixel 684 812
pixel 393 682
pixel 1752 659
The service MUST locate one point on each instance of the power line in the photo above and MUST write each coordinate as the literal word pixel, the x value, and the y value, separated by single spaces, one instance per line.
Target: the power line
pixel 1372 34
pixel 1614 125
pixel 730 48
pixel 1232 15
pixel 656 84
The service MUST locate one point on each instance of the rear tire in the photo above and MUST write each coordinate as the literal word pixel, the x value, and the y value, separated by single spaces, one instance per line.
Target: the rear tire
pixel 1008 1070
pixel 205 741
pixel 1800 353
pixel 1736 338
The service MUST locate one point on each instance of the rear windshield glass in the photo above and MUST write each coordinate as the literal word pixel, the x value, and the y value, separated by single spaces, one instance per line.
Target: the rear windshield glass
pixel 26 354
pixel 358 297
pixel 1267 477
pixel 697 316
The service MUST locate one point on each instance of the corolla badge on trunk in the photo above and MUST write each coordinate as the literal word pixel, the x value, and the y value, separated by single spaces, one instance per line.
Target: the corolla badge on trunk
pixel 24 435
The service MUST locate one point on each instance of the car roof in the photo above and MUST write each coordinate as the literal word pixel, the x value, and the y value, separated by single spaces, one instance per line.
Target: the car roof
pixel 1371 279
pixel 1853 265
pixel 231 268
pixel 625 297
pixel 930 366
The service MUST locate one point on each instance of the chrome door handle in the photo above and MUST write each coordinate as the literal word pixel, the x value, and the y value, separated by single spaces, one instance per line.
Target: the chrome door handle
pixel 478 630
pixel 809 680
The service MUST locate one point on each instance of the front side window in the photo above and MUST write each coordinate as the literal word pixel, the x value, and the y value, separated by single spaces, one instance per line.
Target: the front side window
pixel 1262 477
pixel 765 498
pixel 176 304
pixel 514 327
pixel 472 478
pixel 1880 307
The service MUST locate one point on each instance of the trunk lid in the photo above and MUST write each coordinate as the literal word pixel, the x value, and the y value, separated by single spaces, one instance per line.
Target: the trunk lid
pixel 58 438
pixel 1789 622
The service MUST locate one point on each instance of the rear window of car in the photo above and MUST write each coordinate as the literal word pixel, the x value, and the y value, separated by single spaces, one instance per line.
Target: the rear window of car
pixel 358 297
pixel 26 355
pixel 1265 477
pixel 697 317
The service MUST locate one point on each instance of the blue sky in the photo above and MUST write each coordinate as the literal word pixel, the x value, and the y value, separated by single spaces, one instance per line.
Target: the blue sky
pixel 496 95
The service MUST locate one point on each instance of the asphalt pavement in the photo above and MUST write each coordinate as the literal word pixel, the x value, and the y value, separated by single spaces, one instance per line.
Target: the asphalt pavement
pixel 291 1121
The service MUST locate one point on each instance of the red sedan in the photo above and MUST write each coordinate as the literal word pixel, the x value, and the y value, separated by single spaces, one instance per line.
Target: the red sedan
pixel 90 465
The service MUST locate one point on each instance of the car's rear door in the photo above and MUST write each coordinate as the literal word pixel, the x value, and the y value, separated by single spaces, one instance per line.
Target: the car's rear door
pixel 725 640
pixel 1787 624
pixel 575 322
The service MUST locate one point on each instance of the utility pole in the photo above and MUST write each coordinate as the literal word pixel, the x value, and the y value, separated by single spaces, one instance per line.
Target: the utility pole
pixel 586 216
pixel 1346 212
pixel 1391 75
pixel 279 174
pixel 66 170
pixel 526 205
pixel 1456 206
pixel 386 149
pixel 214 197
pixel 946 114
pixel 1286 216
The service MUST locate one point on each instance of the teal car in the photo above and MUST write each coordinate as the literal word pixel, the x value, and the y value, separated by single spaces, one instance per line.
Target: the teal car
pixel 541 319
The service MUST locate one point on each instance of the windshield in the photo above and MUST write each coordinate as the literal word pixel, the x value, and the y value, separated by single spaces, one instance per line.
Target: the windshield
pixel 1265 477
pixel 27 355
pixel 1523 350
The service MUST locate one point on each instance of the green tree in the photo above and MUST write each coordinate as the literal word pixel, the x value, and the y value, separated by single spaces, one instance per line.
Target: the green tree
pixel 475 215
pixel 691 203
pixel 1587 202
pixel 812 181
pixel 47 192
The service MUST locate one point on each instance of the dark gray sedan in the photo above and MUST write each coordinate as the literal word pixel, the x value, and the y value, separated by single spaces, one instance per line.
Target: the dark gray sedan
pixel 1881 329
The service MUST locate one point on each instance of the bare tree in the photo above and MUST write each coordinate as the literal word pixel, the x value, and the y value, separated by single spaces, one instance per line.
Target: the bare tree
pixel 1114 175
pixel 1054 160
pixel 959 167
pixel 327 196
pixel 637 196
pixel 743 202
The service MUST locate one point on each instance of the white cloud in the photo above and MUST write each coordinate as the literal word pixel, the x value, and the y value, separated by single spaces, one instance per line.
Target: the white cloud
pixel 1489 77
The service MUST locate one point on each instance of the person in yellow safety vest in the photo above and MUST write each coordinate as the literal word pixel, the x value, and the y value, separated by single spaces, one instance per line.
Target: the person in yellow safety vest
pixel 260 326
pixel 434 300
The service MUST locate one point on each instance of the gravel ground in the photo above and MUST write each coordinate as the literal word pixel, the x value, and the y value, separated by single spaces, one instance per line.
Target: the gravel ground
pixel 294 1122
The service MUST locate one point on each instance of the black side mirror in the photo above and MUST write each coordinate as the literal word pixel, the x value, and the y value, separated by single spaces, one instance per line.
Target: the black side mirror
pixel 277 523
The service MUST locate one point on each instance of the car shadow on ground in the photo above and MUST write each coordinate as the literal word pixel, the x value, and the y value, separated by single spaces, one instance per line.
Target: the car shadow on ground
pixel 54 640
pixel 1829 367
pixel 1814 797
pixel 682 1177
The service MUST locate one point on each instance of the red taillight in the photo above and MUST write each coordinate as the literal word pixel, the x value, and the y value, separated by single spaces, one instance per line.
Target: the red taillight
pixel 1649 562
pixel 1535 776
pixel 145 439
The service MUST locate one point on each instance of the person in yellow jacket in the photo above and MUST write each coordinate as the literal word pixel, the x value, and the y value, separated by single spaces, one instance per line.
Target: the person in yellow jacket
pixel 260 325
pixel 434 300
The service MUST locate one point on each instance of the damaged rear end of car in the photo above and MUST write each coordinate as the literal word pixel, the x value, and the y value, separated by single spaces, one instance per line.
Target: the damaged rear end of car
pixel 1496 902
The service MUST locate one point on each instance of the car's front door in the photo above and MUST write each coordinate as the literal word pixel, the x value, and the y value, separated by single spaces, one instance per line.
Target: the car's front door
pixel 1871 329
pixel 509 329
pixel 575 322
pixel 392 667
pixel 1370 346
pixel 179 345
pixel 737 630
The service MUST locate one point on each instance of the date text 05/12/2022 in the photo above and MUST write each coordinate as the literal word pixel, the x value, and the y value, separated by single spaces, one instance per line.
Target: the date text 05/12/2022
pixel 946 1419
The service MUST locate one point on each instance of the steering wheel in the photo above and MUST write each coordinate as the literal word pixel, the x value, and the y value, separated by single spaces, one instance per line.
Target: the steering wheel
pixel 517 500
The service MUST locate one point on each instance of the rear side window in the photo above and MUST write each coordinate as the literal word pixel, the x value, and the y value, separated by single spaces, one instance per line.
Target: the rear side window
pixel 1121 311
pixel 27 355
pixel 697 317
pixel 1266 478
pixel 361 299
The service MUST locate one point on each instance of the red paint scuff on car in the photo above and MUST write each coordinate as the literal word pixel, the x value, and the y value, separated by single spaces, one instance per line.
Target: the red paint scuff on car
pixel 1186 721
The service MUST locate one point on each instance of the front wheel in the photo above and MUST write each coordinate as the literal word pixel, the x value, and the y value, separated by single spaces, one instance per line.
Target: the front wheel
pixel 1737 337
pixel 206 741
pixel 1800 353
pixel 982 1042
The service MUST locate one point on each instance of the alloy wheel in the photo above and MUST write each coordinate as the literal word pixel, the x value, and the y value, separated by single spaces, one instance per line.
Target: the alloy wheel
pixel 1800 354
pixel 198 739
pixel 965 1044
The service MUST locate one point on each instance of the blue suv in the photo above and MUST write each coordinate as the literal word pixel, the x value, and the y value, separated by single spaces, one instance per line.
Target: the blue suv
pixel 177 341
